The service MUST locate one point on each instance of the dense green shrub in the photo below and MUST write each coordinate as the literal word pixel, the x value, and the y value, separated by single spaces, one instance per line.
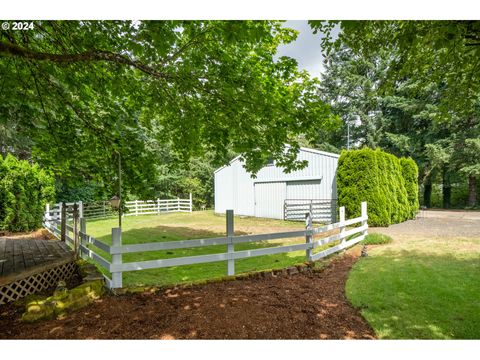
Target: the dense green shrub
pixel 410 174
pixel 376 239
pixel 376 177
pixel 24 191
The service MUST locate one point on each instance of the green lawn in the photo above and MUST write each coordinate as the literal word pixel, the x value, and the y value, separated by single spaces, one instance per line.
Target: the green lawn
pixel 420 289
pixel 182 226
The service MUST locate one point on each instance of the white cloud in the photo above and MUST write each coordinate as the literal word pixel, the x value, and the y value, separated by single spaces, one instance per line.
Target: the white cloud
pixel 306 48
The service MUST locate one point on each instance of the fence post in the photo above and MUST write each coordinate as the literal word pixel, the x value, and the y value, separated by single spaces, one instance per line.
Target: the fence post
pixel 333 211
pixel 158 206
pixel 63 221
pixel 80 209
pixel 364 217
pixel 136 207
pixel 47 214
pixel 230 246
pixel 116 258
pixel 83 229
pixel 342 223
pixel 75 230
pixel 190 197
pixel 308 235
pixel 311 210
pixel 178 204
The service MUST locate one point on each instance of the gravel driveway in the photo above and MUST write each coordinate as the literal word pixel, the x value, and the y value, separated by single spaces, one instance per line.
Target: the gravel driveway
pixel 438 224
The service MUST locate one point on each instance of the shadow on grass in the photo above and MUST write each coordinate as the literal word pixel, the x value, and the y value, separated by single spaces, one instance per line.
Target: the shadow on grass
pixel 416 295
pixel 197 272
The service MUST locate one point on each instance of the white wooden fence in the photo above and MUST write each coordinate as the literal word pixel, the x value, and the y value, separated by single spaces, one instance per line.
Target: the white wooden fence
pixel 103 209
pixel 79 239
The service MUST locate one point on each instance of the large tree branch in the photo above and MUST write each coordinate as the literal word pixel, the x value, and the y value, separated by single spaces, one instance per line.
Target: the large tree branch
pixel 91 55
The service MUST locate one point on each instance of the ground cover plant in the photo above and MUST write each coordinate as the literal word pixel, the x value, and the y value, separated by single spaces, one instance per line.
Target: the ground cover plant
pixel 376 239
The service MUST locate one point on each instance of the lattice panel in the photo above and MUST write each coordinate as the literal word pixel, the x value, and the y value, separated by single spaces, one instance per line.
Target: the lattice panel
pixel 35 283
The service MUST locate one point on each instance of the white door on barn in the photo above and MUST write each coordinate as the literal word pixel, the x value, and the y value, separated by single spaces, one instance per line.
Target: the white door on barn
pixel 269 199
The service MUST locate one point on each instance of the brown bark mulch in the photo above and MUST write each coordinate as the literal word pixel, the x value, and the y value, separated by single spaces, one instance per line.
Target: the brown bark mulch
pixel 309 305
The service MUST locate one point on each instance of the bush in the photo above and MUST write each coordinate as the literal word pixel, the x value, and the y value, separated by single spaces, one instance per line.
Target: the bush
pixel 376 177
pixel 410 174
pixel 24 191
pixel 376 239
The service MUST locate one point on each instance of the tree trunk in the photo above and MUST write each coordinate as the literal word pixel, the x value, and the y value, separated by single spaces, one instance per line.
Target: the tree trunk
pixel 427 194
pixel 447 192
pixel 472 190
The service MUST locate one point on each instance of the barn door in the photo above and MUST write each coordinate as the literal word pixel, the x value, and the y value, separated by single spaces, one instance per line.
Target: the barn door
pixel 306 189
pixel 269 199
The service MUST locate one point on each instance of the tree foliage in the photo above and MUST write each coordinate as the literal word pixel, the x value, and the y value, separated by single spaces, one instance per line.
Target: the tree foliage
pixel 83 92
pixel 24 191
pixel 430 51
pixel 408 99
pixel 410 175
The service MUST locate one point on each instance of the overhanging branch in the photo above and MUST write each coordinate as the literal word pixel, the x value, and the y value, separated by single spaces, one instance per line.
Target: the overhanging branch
pixel 92 55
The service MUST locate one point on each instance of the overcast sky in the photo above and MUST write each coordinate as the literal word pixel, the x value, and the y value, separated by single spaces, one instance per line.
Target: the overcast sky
pixel 305 49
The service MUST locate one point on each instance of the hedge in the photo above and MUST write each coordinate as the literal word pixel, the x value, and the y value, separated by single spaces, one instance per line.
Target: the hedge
pixel 24 191
pixel 379 178
pixel 410 174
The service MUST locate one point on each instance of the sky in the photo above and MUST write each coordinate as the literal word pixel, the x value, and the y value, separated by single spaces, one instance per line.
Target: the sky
pixel 305 49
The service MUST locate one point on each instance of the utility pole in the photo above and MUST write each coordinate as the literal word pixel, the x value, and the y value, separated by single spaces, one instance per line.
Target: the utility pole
pixel 119 190
pixel 348 135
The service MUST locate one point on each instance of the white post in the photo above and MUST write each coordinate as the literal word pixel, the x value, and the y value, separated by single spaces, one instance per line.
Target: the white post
pixel 83 229
pixel 158 206
pixel 308 236
pixel 178 204
pixel 230 246
pixel 80 209
pixel 136 207
pixel 342 223
pixel 117 258
pixel 47 214
pixel 190 202
pixel 364 217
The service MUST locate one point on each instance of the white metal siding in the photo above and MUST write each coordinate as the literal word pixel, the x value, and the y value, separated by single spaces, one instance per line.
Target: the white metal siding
pixel 269 199
pixel 235 189
pixel 308 189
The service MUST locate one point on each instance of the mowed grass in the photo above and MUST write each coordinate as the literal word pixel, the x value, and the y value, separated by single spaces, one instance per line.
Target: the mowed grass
pixel 196 225
pixel 420 289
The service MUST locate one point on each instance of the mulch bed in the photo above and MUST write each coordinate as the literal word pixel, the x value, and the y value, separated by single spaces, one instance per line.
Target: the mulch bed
pixel 309 305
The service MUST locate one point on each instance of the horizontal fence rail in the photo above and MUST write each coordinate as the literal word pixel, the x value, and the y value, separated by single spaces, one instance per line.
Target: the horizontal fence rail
pixel 81 240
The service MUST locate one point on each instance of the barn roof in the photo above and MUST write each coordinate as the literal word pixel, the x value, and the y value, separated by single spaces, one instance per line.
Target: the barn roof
pixel 315 151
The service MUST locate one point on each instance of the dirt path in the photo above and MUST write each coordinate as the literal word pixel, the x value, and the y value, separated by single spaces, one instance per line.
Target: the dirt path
pixel 302 306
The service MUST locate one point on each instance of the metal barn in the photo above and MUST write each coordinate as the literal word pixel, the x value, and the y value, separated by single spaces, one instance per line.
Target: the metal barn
pixel 278 195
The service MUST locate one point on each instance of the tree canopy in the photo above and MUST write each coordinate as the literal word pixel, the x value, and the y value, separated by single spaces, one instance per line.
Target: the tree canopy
pixel 81 92
pixel 446 52
pixel 411 88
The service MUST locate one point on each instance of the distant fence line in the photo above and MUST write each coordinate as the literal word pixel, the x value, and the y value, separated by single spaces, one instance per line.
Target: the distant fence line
pixel 78 239
pixel 103 209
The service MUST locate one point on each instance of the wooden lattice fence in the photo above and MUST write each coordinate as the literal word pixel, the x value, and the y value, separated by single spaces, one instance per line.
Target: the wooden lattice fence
pixel 36 282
